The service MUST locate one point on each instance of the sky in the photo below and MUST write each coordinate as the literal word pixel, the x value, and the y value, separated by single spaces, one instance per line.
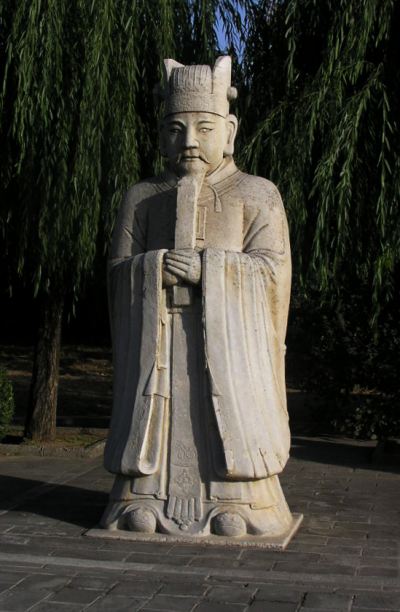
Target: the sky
pixel 222 42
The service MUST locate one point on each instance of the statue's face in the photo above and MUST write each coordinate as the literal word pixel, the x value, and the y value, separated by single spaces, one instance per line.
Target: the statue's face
pixel 195 142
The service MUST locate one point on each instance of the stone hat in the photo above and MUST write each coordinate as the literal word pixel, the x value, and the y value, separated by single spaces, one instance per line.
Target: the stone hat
pixel 197 88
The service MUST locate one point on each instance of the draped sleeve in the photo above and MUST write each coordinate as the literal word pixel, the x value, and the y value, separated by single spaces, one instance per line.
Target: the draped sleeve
pixel 246 299
pixel 140 373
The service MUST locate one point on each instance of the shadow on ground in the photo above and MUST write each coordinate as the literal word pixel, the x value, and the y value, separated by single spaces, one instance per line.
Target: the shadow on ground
pixel 349 453
pixel 66 503
pixel 83 506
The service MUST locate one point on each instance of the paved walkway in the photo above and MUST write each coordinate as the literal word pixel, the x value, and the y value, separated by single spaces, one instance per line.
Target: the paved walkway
pixel 346 555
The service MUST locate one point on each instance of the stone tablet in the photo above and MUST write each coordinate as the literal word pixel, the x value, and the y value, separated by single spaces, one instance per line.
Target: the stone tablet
pixel 199 282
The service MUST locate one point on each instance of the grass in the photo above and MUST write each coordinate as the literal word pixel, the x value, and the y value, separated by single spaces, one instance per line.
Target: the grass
pixel 66 437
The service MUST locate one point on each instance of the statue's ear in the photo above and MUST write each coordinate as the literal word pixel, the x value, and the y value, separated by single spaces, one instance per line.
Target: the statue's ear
pixel 231 129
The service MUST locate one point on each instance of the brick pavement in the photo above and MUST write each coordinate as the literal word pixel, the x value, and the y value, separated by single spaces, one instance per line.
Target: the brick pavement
pixel 346 556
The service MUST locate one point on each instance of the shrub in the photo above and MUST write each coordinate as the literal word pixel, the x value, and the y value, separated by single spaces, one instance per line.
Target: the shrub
pixel 6 404
pixel 349 367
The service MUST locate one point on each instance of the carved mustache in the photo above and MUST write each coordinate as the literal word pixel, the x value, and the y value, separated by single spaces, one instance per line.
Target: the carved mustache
pixel 201 156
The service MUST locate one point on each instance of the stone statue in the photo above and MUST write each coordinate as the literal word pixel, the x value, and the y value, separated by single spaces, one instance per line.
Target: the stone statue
pixel 199 283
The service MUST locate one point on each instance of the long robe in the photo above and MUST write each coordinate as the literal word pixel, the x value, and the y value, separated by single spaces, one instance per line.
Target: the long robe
pixel 235 324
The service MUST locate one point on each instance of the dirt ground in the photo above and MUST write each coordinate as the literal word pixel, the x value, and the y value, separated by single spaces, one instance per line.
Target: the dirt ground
pixel 85 387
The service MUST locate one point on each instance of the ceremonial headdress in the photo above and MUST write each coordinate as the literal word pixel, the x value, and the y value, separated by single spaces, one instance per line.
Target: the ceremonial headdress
pixel 197 88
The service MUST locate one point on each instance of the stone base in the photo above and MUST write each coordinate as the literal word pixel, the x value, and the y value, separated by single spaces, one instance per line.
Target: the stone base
pixel 248 541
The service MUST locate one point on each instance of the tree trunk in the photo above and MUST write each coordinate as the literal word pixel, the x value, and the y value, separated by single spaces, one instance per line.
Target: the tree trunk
pixel 42 410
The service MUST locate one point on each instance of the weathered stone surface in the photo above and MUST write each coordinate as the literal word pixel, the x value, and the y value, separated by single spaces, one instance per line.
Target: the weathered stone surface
pixel 199 278
pixel 278 542
pixel 275 606
pixel 71 595
pixel 233 594
pixel 20 600
pixel 328 601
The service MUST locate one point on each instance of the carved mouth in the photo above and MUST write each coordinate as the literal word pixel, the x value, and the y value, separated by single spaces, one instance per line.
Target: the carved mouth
pixel 191 159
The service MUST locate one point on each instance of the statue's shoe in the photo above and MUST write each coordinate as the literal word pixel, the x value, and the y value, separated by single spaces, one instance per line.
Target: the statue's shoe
pixel 229 524
pixel 142 520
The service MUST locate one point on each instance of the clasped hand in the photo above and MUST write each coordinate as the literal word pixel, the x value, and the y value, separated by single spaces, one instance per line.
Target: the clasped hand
pixel 182 265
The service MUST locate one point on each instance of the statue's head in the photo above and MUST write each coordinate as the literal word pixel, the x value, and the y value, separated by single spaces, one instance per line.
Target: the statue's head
pixel 197 131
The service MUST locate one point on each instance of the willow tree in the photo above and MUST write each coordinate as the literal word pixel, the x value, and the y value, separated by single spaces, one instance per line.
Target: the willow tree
pixel 323 122
pixel 79 124
pixel 324 118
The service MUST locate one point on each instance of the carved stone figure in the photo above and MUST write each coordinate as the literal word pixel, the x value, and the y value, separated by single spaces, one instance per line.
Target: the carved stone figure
pixel 199 283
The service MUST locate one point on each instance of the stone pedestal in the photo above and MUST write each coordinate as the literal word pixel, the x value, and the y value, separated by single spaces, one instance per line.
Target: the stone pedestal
pixel 277 542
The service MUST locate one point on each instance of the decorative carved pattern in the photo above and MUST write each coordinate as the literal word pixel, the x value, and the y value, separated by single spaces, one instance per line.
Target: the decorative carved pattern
pixel 184 454
pixel 184 481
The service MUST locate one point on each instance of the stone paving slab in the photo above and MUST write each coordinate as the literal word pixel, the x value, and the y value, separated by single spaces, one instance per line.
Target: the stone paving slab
pixel 346 555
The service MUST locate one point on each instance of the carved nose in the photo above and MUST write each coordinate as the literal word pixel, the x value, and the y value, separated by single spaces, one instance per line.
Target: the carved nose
pixel 190 140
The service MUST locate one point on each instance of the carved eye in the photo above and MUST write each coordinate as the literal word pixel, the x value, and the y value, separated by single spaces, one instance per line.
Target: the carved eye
pixel 205 130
